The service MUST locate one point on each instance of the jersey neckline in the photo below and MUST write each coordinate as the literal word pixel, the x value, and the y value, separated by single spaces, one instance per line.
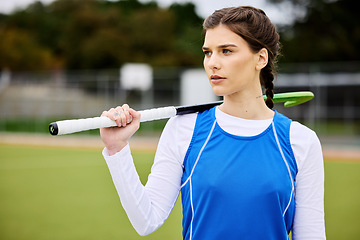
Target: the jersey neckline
pixel 242 137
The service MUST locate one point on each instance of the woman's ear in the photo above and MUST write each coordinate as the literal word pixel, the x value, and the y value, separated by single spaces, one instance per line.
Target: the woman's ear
pixel 262 59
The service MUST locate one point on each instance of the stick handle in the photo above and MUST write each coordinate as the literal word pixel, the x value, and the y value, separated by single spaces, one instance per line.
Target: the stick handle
pixel 78 125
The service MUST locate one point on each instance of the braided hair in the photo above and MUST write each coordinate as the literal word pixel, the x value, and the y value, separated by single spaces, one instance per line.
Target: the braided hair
pixel 256 29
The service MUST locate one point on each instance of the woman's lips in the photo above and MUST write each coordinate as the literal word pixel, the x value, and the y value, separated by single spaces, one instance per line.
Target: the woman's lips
pixel 216 79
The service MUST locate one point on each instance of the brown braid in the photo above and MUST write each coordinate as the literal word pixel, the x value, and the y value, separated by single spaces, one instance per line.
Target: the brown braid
pixel 267 78
pixel 256 29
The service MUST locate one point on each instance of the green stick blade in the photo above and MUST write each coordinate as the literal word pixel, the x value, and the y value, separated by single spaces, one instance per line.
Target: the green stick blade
pixel 292 98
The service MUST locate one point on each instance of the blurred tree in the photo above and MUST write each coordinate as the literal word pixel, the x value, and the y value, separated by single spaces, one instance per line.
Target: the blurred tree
pixel 189 38
pixel 20 51
pixel 151 31
pixel 329 30
pixel 91 34
pixel 88 34
pixel 80 31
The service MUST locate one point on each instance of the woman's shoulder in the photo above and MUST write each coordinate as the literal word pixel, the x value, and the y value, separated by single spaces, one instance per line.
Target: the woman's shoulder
pixel 182 122
pixel 299 131
pixel 305 144
pixel 177 135
pixel 180 128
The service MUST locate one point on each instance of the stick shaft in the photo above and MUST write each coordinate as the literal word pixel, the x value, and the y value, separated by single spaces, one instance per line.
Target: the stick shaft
pixel 78 125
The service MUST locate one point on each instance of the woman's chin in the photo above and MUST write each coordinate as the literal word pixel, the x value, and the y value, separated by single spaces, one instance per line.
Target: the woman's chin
pixel 219 91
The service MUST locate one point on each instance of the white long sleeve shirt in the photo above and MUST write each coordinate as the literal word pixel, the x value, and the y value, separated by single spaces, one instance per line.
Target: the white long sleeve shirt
pixel 149 206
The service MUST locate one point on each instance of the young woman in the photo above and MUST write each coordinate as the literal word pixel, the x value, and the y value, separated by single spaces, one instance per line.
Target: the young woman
pixel 244 170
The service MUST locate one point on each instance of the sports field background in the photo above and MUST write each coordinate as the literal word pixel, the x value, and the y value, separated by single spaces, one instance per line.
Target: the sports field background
pixel 49 192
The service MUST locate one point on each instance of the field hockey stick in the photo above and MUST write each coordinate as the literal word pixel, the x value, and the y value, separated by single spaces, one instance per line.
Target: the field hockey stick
pixel 77 125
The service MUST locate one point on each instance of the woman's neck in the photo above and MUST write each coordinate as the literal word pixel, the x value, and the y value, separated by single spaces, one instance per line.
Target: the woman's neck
pixel 246 106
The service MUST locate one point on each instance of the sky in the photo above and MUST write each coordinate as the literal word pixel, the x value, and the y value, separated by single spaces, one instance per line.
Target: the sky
pixel 279 14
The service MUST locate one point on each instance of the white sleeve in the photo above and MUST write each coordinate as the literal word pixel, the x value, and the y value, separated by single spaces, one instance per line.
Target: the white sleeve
pixel 149 206
pixel 309 220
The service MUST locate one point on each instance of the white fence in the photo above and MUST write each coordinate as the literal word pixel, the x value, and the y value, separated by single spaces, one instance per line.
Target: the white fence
pixel 60 95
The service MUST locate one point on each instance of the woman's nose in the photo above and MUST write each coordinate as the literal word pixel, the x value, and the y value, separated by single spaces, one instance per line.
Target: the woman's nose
pixel 213 63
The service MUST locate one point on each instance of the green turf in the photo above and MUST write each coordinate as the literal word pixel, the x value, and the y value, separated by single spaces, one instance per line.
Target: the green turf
pixel 342 200
pixel 67 193
pixel 49 193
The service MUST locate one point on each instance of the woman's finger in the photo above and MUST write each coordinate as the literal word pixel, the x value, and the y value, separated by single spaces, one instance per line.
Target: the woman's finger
pixel 126 109
pixel 121 115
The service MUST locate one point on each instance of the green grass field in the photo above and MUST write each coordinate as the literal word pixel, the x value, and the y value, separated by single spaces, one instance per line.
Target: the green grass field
pixel 67 193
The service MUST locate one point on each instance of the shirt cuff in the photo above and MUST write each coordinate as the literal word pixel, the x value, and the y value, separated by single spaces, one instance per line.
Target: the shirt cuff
pixel 123 153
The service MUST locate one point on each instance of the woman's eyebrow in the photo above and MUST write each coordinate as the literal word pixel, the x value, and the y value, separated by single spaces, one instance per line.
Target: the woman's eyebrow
pixel 227 45
pixel 221 46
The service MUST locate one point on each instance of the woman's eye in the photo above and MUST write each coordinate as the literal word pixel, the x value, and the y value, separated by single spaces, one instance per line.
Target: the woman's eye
pixel 207 53
pixel 226 51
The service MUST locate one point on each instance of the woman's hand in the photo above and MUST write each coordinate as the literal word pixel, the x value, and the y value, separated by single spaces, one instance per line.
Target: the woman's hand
pixel 128 122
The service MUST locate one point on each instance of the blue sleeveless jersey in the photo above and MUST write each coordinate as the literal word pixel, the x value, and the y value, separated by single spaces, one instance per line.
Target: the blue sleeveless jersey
pixel 237 187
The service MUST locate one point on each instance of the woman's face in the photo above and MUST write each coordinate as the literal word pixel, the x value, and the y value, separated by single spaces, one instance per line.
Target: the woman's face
pixel 230 64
